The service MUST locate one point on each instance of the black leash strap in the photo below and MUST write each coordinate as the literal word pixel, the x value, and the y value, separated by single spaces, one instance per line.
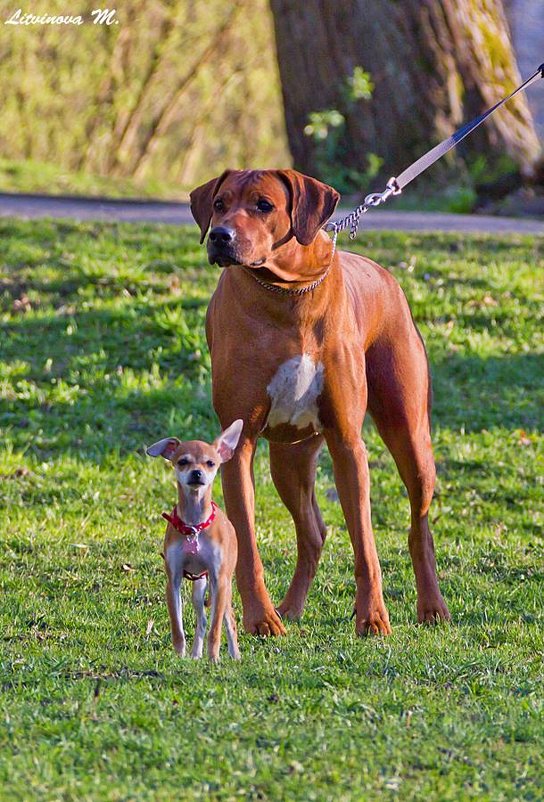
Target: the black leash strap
pixel 437 152
pixel 396 185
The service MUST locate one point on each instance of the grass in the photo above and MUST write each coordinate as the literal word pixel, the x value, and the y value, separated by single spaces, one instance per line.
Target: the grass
pixel 103 351
pixel 44 177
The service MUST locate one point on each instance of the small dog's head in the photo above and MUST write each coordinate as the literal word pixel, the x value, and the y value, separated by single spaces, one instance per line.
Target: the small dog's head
pixel 253 213
pixel 195 462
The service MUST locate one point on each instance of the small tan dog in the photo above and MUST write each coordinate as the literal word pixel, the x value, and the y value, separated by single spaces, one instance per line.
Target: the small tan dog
pixel 200 541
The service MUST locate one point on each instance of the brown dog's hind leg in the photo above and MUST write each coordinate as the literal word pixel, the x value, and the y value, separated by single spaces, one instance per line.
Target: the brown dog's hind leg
pixel 412 453
pixel 293 468
pixel 399 403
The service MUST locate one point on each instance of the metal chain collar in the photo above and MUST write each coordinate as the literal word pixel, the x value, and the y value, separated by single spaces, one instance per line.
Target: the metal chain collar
pixel 352 221
pixel 299 290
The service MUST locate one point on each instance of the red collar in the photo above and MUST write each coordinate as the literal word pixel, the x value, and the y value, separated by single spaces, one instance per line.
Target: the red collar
pixel 187 529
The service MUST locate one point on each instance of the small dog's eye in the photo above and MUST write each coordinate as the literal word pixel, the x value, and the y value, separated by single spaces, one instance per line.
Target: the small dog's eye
pixel 183 461
pixel 210 463
pixel 264 205
pixel 218 205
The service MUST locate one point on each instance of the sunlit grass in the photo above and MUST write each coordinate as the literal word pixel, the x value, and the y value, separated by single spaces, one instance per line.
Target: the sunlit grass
pixel 102 351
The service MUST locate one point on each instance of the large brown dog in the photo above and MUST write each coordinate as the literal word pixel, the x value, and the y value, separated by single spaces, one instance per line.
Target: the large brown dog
pixel 302 341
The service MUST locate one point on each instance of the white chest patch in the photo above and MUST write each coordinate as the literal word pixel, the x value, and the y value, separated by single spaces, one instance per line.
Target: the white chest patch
pixel 294 391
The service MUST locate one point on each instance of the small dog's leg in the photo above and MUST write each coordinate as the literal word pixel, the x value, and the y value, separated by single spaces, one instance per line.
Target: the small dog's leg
pixel 175 610
pixel 230 626
pixel 219 603
pixel 174 570
pixel 199 592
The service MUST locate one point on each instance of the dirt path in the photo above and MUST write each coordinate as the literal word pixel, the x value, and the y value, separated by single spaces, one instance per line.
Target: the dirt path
pixel 34 206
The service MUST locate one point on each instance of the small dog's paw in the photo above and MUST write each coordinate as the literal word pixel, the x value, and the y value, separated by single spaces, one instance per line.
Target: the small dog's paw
pixel 180 647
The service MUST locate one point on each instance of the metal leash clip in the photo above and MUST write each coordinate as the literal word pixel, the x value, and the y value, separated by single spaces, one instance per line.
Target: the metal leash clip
pixel 376 198
pixel 352 220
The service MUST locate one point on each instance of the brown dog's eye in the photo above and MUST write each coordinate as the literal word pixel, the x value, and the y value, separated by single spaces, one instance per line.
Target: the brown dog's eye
pixel 218 205
pixel 210 463
pixel 183 461
pixel 264 205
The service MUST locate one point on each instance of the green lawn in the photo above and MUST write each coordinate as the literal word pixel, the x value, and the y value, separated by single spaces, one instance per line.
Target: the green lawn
pixel 51 179
pixel 102 351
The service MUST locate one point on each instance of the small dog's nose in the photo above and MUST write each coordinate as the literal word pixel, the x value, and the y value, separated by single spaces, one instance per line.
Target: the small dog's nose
pixel 221 235
pixel 196 476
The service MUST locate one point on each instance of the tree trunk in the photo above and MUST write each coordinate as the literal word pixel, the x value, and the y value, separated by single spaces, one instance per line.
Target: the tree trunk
pixel 434 64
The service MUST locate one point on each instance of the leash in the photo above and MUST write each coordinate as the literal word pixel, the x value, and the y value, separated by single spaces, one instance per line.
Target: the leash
pixel 395 185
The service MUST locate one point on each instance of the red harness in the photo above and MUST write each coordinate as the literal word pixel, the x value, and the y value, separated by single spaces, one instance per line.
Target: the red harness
pixel 191 533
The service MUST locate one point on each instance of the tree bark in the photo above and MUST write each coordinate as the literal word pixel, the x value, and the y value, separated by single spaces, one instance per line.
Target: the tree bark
pixel 434 63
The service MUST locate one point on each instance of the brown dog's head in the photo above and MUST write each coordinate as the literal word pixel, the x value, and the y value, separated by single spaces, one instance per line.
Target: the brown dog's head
pixel 252 214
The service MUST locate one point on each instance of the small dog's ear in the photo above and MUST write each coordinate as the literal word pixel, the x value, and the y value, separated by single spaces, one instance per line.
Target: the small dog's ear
pixel 163 448
pixel 227 441
pixel 312 203
pixel 202 200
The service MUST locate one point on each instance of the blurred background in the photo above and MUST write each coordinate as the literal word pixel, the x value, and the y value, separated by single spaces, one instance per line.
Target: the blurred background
pixel 350 91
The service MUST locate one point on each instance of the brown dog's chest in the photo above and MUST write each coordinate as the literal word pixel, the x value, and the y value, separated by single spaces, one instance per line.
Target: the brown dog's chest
pixel 282 365
pixel 294 393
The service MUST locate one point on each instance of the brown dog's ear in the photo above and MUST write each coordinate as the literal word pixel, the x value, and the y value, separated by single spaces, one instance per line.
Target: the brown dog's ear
pixel 202 200
pixel 312 203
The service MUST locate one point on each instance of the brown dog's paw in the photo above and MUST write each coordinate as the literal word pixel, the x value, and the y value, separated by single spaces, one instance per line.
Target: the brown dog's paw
pixel 375 622
pixel 433 611
pixel 267 623
pixel 290 611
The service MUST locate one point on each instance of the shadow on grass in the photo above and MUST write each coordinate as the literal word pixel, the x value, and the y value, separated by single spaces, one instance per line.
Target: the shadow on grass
pixel 476 393
pixel 92 351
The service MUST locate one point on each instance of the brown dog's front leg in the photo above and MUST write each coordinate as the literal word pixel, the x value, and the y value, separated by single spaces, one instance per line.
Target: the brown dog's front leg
pixel 293 469
pixel 352 482
pixel 259 616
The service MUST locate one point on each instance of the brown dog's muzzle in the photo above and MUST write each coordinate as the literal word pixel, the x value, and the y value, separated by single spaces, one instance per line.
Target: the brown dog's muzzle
pixel 221 246
pixel 226 247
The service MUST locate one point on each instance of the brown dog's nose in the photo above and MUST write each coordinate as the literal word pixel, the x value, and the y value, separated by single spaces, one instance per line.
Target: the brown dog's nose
pixel 220 235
